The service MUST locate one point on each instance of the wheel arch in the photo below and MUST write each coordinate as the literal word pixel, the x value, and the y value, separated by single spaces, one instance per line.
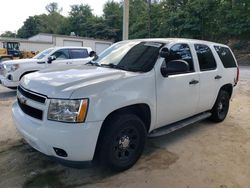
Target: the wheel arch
pixel 27 72
pixel 228 88
pixel 142 110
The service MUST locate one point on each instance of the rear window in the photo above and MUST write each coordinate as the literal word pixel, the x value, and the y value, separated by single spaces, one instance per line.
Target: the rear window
pixel 78 53
pixel 226 56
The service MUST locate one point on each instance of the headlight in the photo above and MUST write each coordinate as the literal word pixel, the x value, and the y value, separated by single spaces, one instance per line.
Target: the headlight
pixel 73 111
pixel 11 68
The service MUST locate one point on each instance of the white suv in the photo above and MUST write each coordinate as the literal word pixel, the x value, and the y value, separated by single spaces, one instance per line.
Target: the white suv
pixel 12 71
pixel 134 90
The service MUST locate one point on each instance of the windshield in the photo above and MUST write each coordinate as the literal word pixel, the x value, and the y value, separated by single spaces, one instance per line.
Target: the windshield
pixel 131 56
pixel 43 53
pixel 11 45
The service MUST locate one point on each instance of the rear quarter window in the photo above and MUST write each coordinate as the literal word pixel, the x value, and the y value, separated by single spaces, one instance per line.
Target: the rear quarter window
pixel 78 53
pixel 226 56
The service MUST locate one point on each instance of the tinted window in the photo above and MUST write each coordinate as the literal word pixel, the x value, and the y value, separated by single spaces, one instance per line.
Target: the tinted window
pixel 43 54
pixel 61 54
pixel 181 52
pixel 141 56
pixel 205 57
pixel 133 56
pixel 78 53
pixel 226 56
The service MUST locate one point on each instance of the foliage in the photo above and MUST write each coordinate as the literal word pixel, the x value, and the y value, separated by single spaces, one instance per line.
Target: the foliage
pixel 53 7
pixel 8 34
pixel 203 19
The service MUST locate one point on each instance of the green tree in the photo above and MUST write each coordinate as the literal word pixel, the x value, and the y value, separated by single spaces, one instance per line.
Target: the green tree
pixel 8 34
pixel 43 23
pixel 138 19
pixel 216 20
pixel 30 27
pixel 80 20
pixel 112 15
pixel 53 7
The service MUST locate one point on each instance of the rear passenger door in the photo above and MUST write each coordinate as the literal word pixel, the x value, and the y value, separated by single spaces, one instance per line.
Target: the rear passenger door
pixel 210 77
pixel 230 69
pixel 79 56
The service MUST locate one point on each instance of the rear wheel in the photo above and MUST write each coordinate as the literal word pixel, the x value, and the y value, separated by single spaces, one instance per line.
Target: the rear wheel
pixel 221 106
pixel 122 141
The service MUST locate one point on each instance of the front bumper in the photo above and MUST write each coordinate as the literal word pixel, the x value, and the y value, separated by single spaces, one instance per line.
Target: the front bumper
pixel 8 83
pixel 78 140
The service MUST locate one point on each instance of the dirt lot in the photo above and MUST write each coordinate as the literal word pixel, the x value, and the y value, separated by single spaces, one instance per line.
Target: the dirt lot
pixel 202 155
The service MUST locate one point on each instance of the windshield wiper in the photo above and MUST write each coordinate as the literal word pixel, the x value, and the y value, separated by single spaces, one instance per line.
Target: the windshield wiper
pixel 92 63
pixel 111 65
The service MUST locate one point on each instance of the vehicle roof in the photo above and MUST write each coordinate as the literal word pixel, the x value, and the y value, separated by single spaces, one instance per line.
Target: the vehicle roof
pixel 180 40
pixel 71 47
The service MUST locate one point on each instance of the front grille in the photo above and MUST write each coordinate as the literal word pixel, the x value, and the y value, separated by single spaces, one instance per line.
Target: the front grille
pixel 33 96
pixel 33 112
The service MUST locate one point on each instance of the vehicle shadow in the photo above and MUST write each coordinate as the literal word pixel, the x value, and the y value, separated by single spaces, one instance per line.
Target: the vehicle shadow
pixel 40 171
pixel 171 138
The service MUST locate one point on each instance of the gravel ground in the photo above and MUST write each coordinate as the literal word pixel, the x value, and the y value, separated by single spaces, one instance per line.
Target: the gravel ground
pixel 201 155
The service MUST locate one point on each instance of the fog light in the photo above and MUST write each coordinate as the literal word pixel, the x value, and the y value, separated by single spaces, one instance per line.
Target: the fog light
pixel 60 152
pixel 9 77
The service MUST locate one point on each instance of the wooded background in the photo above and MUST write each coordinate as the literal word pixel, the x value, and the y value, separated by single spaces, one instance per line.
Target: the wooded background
pixel 216 20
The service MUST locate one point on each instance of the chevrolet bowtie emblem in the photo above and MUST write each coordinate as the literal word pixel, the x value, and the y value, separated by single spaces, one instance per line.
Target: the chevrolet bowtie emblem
pixel 22 99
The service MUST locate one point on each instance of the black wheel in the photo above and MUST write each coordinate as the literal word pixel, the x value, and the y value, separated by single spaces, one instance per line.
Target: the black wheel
pixel 221 106
pixel 122 141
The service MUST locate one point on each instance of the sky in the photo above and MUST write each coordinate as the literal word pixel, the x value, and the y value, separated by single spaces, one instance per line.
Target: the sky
pixel 14 12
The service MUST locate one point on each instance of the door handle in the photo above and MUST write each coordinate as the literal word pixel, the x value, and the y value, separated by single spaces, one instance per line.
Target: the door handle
pixel 193 82
pixel 41 62
pixel 217 77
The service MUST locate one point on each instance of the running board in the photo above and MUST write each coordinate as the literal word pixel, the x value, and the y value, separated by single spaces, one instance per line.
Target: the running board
pixel 178 125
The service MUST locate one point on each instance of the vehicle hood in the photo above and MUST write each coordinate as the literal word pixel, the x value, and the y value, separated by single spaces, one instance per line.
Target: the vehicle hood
pixel 19 61
pixel 61 82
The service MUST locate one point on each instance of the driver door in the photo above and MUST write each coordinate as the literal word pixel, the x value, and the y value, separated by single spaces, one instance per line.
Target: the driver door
pixel 177 94
pixel 62 58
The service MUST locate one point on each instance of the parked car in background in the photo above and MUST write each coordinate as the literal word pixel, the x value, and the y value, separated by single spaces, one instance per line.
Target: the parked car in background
pixel 136 89
pixel 12 71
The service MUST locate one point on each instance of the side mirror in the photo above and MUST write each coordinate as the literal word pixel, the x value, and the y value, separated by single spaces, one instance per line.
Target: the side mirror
pixel 164 52
pixel 51 58
pixel 174 67
pixel 92 54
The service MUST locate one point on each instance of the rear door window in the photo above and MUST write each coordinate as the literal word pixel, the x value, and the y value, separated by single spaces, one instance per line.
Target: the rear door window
pixel 79 53
pixel 226 56
pixel 205 56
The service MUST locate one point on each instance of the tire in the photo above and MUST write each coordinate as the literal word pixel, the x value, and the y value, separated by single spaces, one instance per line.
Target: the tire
pixel 122 142
pixel 221 106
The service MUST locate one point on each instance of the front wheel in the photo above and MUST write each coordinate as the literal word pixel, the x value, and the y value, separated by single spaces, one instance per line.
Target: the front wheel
pixel 122 141
pixel 221 106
